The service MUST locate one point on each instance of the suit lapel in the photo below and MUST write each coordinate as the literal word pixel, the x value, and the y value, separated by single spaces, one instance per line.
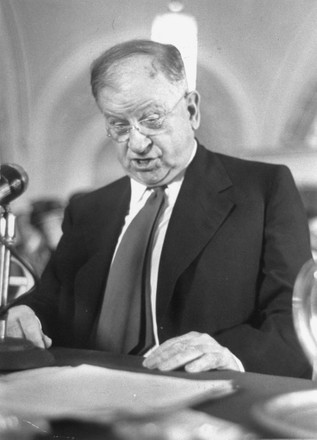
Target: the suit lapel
pixel 100 235
pixel 106 221
pixel 201 207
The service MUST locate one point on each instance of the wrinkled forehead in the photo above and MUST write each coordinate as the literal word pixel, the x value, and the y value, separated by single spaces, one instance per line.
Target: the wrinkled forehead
pixel 135 70
pixel 137 81
pixel 130 66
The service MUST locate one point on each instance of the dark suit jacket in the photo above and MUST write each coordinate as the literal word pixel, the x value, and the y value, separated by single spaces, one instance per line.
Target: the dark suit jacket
pixel 236 240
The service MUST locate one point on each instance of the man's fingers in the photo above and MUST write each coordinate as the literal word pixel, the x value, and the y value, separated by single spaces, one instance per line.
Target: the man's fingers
pixel 177 351
pixel 175 356
pixel 196 351
pixel 32 332
pixel 47 341
pixel 215 360
pixel 23 323
pixel 14 329
pixel 207 362
pixel 178 343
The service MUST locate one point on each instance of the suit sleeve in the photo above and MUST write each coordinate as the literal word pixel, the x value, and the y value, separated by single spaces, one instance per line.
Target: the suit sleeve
pixel 45 300
pixel 268 343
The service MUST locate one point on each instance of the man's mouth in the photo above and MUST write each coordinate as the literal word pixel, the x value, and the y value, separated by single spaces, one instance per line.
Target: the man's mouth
pixel 144 163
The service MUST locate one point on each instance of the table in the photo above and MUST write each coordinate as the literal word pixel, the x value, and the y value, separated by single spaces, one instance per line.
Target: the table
pixel 252 389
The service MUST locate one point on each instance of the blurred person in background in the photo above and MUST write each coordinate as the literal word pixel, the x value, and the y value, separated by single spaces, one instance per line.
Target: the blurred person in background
pixel 38 230
pixel 46 217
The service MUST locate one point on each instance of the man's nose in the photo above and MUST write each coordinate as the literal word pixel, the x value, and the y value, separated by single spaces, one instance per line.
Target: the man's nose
pixel 138 142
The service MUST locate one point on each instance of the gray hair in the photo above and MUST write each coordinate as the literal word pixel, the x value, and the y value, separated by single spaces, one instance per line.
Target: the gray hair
pixel 166 59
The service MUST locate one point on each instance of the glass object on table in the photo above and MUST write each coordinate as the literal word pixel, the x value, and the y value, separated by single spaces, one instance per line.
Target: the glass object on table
pixel 15 428
pixel 305 311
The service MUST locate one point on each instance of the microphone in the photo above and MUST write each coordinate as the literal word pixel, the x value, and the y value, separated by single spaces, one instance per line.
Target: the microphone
pixel 13 182
pixel 15 353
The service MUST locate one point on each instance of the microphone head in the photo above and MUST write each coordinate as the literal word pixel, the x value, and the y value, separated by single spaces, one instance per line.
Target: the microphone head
pixel 13 182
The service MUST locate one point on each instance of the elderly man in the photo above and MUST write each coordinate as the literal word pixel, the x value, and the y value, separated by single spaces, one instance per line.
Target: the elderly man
pixel 189 259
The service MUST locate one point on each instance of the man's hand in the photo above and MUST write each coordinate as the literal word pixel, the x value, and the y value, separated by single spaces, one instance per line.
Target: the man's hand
pixel 195 351
pixel 23 323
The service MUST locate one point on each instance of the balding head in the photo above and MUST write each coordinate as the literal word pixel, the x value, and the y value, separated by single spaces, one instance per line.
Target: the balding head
pixel 163 58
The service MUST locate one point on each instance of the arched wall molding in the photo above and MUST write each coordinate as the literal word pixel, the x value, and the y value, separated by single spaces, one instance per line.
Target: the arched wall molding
pixel 15 86
pixel 70 69
pixel 97 164
pixel 296 70
pixel 239 93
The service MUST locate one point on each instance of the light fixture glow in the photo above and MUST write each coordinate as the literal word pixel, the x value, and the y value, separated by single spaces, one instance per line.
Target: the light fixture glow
pixel 180 30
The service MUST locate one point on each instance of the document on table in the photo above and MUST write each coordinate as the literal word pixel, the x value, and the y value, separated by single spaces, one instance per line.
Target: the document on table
pixel 101 394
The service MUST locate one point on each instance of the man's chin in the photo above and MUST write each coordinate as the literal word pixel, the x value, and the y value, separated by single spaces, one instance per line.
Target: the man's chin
pixel 151 179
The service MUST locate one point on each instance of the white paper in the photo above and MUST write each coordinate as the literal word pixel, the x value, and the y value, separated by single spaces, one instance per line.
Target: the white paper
pixel 100 394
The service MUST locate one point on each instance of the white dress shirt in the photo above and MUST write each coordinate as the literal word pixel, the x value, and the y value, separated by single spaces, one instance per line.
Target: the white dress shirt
pixel 139 195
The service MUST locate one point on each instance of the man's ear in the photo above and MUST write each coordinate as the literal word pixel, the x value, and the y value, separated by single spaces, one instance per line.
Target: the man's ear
pixel 193 106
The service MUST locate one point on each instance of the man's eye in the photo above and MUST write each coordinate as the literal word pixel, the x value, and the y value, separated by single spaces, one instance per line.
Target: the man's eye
pixel 118 124
pixel 154 121
pixel 119 127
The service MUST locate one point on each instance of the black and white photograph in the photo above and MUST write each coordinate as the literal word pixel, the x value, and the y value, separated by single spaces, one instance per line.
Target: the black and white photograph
pixel 158 219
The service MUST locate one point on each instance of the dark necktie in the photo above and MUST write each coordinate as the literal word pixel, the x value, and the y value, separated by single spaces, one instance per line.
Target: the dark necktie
pixel 125 321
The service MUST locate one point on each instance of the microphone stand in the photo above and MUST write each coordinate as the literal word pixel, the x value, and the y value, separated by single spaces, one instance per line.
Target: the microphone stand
pixel 15 353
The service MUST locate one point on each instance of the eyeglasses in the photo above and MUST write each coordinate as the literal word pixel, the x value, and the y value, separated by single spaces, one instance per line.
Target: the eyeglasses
pixel 152 125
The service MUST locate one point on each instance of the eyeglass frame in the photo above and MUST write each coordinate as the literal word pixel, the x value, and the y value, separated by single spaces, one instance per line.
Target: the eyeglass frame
pixel 148 131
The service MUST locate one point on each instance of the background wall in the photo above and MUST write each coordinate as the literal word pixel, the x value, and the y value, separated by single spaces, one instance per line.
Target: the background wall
pixel 257 74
